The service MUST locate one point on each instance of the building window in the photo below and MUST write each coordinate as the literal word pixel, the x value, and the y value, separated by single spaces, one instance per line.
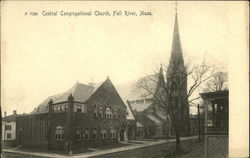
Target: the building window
pixel 115 112
pixel 101 112
pixel 8 135
pixel 108 113
pixel 55 109
pixel 79 108
pixel 103 133
pixel 84 109
pixel 59 133
pixel 63 107
pixel 94 133
pixel 86 134
pixel 113 133
pixel 7 127
pixel 95 111
pixel 78 134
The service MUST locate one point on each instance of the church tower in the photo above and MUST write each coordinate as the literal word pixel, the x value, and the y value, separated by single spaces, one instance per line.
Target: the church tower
pixel 177 81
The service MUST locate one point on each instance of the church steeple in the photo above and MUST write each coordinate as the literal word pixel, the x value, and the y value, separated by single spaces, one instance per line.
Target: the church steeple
pixel 176 60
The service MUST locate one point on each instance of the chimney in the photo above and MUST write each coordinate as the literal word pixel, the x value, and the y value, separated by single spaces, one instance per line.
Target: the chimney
pixel 14 112
pixel 5 113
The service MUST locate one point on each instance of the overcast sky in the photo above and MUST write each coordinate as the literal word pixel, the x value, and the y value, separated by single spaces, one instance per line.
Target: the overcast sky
pixel 42 56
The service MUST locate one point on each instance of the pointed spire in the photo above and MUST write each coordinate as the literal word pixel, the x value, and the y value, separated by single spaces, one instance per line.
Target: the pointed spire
pixel 176 60
pixel 161 70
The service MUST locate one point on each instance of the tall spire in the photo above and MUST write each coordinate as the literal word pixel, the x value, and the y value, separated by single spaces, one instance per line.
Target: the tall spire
pixel 176 60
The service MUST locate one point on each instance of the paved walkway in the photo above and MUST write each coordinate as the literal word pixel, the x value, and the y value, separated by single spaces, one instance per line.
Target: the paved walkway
pixel 132 146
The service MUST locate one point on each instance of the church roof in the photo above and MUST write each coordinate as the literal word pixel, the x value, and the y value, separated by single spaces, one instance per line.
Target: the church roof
pixel 155 119
pixel 80 92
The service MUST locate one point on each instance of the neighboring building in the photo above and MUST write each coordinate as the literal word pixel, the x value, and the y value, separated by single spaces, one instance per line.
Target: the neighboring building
pixel 150 117
pixel 216 123
pixel 9 129
pixel 84 116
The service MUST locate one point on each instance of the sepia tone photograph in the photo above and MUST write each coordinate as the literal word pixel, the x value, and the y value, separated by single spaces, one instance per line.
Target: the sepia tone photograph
pixel 124 79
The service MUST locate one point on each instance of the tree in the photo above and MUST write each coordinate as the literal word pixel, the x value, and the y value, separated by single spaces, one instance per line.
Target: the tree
pixel 218 82
pixel 173 94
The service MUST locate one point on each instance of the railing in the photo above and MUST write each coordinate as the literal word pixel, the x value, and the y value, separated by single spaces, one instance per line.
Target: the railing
pixel 217 130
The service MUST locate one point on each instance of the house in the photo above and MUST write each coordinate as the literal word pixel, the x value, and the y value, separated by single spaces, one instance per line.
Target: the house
pixel 9 129
pixel 82 117
pixel 216 123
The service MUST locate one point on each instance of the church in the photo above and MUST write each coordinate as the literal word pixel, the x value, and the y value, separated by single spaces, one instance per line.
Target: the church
pixel 153 120
pixel 84 116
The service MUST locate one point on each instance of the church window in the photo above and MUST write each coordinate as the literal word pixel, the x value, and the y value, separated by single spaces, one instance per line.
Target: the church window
pixel 79 108
pixel 94 133
pixel 78 134
pixel 95 111
pixel 108 113
pixel 100 112
pixel 86 134
pixel 55 109
pixel 84 109
pixel 113 133
pixel 103 133
pixel 59 133
pixel 115 112
pixel 63 107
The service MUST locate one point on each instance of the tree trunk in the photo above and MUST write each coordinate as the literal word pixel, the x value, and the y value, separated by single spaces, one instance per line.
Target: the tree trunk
pixel 178 142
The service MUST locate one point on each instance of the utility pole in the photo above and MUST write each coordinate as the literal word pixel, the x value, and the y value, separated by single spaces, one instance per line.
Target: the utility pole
pixel 199 129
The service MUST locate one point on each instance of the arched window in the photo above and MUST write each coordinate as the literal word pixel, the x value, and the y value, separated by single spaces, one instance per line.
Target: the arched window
pixel 112 133
pixel 115 112
pixel 59 133
pixel 95 111
pixel 100 112
pixel 108 113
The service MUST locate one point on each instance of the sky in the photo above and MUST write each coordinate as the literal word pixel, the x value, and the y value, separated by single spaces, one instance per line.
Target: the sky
pixel 46 55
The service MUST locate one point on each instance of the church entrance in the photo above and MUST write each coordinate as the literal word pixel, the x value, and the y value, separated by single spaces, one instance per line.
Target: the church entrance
pixel 122 135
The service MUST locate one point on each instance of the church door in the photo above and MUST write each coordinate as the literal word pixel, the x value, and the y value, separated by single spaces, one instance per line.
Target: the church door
pixel 122 136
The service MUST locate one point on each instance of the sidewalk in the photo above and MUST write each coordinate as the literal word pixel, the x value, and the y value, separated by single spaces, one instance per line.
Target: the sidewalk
pixel 132 146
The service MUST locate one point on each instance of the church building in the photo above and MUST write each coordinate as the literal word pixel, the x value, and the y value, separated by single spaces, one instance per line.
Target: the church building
pixel 82 117
pixel 153 119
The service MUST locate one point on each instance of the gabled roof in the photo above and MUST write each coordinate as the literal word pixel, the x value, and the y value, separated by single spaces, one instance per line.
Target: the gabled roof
pixel 155 119
pixel 80 92
pixel 10 118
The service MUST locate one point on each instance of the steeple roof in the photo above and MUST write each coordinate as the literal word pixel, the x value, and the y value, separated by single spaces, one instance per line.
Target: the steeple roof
pixel 176 61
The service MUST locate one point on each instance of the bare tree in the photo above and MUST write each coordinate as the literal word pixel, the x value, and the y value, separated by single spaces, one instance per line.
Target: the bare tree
pixel 218 82
pixel 170 94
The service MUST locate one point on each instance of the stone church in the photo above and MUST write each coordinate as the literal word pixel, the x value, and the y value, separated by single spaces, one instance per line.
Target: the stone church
pixel 82 117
